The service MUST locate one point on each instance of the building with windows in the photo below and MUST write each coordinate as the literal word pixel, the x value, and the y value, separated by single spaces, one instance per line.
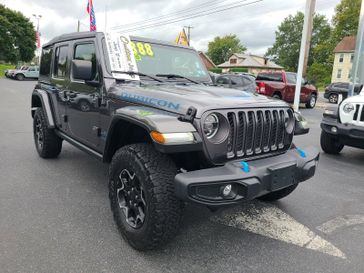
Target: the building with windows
pixel 252 63
pixel 344 58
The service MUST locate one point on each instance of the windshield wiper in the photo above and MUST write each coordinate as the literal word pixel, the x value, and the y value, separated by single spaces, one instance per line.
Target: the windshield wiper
pixel 137 73
pixel 176 76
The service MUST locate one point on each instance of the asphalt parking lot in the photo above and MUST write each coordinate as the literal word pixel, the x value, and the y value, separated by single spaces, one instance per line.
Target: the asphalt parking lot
pixel 55 215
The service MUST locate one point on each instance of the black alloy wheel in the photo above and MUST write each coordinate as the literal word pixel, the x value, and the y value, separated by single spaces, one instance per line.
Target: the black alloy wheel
pixel 131 198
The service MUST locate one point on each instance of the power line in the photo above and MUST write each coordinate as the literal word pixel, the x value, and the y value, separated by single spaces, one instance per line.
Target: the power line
pixel 202 5
pixel 191 16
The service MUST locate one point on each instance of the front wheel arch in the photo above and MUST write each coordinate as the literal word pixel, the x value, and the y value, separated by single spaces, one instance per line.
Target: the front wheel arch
pixel 123 132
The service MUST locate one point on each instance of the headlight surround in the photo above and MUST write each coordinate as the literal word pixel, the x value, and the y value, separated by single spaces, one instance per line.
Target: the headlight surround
pixel 211 125
pixel 289 122
pixel 348 108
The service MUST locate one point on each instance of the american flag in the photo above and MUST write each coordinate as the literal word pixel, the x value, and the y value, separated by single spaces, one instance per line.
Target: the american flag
pixel 90 10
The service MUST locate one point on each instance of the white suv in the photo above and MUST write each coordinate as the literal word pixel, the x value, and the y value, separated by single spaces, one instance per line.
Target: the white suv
pixel 343 125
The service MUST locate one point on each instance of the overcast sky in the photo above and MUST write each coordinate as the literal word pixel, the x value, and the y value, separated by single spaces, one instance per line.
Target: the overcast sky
pixel 254 24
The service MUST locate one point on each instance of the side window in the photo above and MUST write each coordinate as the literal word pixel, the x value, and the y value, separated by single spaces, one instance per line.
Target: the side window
pixel 60 62
pixel 31 69
pixel 45 64
pixel 291 78
pixel 341 58
pixel 87 52
pixel 236 81
pixel 222 80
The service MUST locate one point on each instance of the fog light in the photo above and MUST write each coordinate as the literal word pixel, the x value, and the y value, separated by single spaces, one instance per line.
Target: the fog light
pixel 226 191
pixel 334 130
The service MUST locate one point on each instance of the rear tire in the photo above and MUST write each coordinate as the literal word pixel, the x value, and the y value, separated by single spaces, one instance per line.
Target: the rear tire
pixel 333 98
pixel 276 195
pixel 20 77
pixel 47 143
pixel 142 198
pixel 311 102
pixel 330 144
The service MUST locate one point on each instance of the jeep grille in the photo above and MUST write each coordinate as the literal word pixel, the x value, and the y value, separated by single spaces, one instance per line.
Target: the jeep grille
pixel 359 113
pixel 254 133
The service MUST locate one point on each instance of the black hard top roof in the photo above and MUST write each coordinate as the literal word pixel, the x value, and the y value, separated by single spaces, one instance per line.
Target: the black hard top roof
pixel 88 34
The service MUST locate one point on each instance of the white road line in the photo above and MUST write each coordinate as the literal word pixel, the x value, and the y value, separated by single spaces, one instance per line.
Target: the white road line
pixel 267 220
pixel 341 222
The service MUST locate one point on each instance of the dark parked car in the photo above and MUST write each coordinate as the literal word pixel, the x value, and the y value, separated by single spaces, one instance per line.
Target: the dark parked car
pixel 333 91
pixel 243 82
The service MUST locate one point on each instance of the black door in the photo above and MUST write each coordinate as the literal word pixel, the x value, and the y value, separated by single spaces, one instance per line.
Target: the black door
pixel 82 109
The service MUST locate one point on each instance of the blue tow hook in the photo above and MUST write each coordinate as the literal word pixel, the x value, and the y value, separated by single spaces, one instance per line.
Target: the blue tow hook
pixel 301 152
pixel 245 166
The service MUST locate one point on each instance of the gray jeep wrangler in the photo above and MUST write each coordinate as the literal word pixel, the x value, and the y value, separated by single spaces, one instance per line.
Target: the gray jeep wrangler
pixel 149 109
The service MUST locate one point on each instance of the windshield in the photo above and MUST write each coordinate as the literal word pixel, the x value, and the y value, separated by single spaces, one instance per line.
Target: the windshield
pixel 275 77
pixel 156 59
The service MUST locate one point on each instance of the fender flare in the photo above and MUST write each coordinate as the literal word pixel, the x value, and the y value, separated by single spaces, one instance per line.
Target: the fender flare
pixel 43 97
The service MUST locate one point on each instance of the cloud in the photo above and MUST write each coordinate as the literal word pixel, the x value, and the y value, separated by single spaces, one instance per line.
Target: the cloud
pixel 254 24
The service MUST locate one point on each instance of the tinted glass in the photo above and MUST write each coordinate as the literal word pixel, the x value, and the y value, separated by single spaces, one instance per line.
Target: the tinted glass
pixel 291 78
pixel 155 59
pixel 236 81
pixel 222 80
pixel 45 64
pixel 87 52
pixel 276 77
pixel 60 62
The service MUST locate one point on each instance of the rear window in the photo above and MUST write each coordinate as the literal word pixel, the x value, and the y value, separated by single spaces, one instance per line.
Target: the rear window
pixel 45 64
pixel 60 62
pixel 275 77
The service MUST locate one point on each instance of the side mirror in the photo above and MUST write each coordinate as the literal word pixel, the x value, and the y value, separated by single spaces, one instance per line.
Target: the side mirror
pixel 82 70
pixel 301 125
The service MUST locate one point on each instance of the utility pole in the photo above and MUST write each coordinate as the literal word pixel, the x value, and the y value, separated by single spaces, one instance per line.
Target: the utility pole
pixel 309 36
pixel 357 70
pixel 37 17
pixel 303 49
pixel 78 25
pixel 189 34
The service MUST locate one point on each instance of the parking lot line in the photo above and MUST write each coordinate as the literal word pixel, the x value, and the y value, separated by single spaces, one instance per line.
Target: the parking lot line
pixel 268 220
pixel 341 222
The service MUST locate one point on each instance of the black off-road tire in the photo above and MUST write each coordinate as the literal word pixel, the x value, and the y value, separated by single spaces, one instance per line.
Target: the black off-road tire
pixel 311 103
pixel 330 144
pixel 50 145
pixel 276 195
pixel 20 77
pixel 155 172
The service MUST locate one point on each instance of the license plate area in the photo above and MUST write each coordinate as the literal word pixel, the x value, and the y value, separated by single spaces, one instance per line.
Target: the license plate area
pixel 282 176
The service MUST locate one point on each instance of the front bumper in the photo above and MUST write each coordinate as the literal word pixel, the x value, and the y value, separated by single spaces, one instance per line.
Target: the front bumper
pixel 250 181
pixel 348 130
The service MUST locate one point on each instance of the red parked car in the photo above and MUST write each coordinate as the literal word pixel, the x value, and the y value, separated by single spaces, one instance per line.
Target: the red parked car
pixel 282 85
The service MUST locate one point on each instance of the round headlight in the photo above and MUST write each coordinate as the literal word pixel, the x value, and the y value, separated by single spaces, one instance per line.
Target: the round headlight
pixel 211 125
pixel 289 122
pixel 348 108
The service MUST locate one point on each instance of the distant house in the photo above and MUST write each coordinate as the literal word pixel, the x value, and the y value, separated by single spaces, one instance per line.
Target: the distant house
pixel 207 61
pixel 343 62
pixel 253 63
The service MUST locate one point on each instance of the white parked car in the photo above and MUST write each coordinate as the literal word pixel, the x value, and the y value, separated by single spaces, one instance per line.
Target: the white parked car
pixel 343 125
pixel 32 72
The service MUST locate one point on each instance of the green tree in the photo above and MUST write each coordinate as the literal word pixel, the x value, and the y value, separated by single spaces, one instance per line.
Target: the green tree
pixel 221 48
pixel 319 73
pixel 346 20
pixel 17 36
pixel 285 50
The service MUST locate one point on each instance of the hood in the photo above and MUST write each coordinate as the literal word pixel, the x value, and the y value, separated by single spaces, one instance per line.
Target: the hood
pixel 177 98
pixel 355 99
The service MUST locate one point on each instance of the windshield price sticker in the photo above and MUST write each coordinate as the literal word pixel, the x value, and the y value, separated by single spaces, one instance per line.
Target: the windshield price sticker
pixel 121 56
pixel 142 49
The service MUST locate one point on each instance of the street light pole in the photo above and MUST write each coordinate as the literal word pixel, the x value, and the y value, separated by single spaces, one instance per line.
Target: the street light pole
pixel 305 32
pixel 37 17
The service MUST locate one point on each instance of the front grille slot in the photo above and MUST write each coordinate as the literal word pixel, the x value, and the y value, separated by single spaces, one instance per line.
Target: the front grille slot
pixel 257 132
